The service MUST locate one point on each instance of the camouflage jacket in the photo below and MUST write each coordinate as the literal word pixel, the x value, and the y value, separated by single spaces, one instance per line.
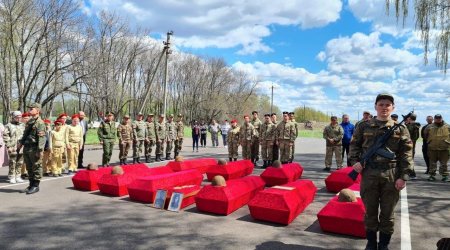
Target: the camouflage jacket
pixel 268 131
pixel 233 135
pixel 400 143
pixel 413 129
pixel 107 131
pixel 12 134
pixel 438 136
pixel 139 130
pixel 247 132
pixel 180 129
pixel 160 131
pixel 125 132
pixel 151 133
pixel 333 132
pixel 296 127
pixel 286 131
pixel 34 135
pixel 257 125
pixel 171 131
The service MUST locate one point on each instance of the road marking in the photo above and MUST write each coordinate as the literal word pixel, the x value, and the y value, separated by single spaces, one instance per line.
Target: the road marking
pixel 405 231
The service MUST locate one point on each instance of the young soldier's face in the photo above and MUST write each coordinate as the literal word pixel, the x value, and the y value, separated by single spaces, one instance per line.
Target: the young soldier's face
pixel 58 126
pixel 267 118
pixel 75 121
pixel 139 117
pixel 285 117
pixel 247 119
pixel 384 108
pixel 33 111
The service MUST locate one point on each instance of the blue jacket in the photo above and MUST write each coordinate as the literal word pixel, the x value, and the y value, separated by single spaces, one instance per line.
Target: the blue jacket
pixel 348 132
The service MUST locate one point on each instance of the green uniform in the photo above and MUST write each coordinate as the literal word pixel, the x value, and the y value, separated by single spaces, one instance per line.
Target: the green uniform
pixel 11 136
pixel 160 130
pixel 293 144
pixel 180 136
pixel 171 136
pixel 139 135
pixel 438 139
pixel 378 190
pixel 151 139
pixel 285 138
pixel 107 135
pixel 267 135
pixel 276 147
pixel 334 132
pixel 33 141
pixel 255 140
pixel 413 129
pixel 247 134
pixel 233 142
pixel 125 134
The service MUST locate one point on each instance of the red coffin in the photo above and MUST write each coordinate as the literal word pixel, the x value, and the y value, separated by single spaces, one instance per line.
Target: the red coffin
pixel 281 205
pixel 144 189
pixel 189 193
pixel 339 180
pixel 355 187
pixel 201 164
pixel 87 179
pixel 225 200
pixel 116 185
pixel 233 170
pixel 279 176
pixel 343 217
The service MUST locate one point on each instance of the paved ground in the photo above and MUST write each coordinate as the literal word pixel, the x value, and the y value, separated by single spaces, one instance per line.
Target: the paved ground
pixel 61 217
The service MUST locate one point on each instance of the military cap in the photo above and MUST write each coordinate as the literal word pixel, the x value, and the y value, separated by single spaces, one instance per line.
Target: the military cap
pixel 59 121
pixel 180 115
pixel 16 113
pixel 384 96
pixel 126 116
pixel 333 117
pixel 366 112
pixel 140 114
pixel 150 115
pixel 34 105
pixel 62 115
pixel 109 113
pixel 254 112
pixel 267 115
pixel 171 115
pixel 438 116
pixel 394 116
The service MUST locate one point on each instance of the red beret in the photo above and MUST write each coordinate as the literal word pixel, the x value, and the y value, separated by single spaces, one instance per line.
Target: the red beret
pixel 25 114
pixel 60 121
pixel 233 121
pixel 61 115
pixel 76 116
pixel 47 121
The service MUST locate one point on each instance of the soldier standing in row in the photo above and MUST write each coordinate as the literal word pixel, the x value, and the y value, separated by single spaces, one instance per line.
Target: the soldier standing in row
pixel 267 137
pixel 425 143
pixel 438 140
pixel 292 119
pixel 151 138
pixel 233 141
pixel 74 142
pixel 11 136
pixel 160 130
pixel 107 136
pixel 33 142
pixel 180 135
pixel 414 132
pixel 57 146
pixel 276 148
pixel 139 135
pixel 382 179
pixel 125 134
pixel 171 136
pixel 247 133
pixel 333 134
pixel 256 122
pixel 285 138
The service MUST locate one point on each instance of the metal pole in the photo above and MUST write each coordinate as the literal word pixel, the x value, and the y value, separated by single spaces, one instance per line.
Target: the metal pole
pixel 271 101
pixel 168 51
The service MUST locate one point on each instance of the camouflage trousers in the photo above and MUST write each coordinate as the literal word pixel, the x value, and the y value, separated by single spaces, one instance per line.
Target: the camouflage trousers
pixel 267 150
pixel 255 148
pixel 33 162
pixel 149 147
pixel 440 156
pixel 160 147
pixel 380 197
pixel 291 159
pixel 169 147
pixel 124 147
pixel 56 164
pixel 138 148
pixel 246 149
pixel 72 155
pixel 108 145
pixel 285 150
pixel 15 164
pixel 178 146
pixel 233 149
pixel 337 150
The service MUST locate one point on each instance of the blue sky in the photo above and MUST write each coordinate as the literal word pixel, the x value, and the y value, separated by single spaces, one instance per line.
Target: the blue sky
pixel 332 55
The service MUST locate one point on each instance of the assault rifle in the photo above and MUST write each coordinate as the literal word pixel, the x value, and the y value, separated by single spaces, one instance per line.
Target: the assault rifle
pixel 379 148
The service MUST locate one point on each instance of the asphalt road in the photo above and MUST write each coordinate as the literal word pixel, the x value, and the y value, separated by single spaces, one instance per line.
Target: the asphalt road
pixel 60 217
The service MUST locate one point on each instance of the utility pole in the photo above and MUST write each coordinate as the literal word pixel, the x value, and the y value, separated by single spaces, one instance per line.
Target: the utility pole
pixel 271 101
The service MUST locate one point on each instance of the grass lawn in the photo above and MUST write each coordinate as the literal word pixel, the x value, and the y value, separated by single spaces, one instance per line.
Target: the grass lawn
pixel 92 139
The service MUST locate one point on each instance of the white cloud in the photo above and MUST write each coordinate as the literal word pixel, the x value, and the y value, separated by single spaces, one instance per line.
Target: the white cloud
pixel 235 23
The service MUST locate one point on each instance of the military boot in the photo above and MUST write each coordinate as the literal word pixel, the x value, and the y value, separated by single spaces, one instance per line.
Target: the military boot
pixel 264 164
pixel 121 162
pixel 384 241
pixel 138 160
pixel 158 158
pixel 29 187
pixel 34 188
pixel 134 160
pixel 371 240
pixel 125 161
pixel 235 159
pixel 230 159
pixel 168 157
pixel 147 160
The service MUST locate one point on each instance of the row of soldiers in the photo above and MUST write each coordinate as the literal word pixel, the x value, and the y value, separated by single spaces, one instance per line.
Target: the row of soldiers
pixel 276 138
pixel 142 136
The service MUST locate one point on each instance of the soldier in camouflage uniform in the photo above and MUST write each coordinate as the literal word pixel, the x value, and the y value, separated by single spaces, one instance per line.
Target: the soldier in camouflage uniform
pixel 160 130
pixel 256 122
pixel 292 119
pixel 33 142
pixel 125 134
pixel 151 138
pixel 171 136
pixel 382 179
pixel 11 136
pixel 139 135
pixel 414 132
pixel 276 148
pixel 247 133
pixel 107 132
pixel 285 138
pixel 267 137
pixel 233 141
pixel 333 134
pixel 438 140
pixel 180 135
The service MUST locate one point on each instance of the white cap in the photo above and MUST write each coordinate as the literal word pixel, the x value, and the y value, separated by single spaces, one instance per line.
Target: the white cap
pixel 16 113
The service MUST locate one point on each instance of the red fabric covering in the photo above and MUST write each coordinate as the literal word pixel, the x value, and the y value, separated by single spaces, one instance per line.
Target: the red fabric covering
pixel 225 200
pixel 201 164
pixel 355 187
pixel 189 193
pixel 144 189
pixel 233 170
pixel 339 180
pixel 343 217
pixel 282 205
pixel 279 176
